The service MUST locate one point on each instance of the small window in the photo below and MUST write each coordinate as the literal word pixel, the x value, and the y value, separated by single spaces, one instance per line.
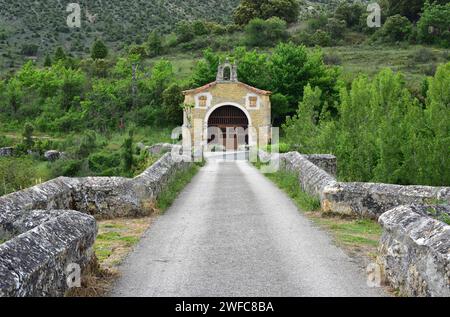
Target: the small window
pixel 202 101
pixel 253 101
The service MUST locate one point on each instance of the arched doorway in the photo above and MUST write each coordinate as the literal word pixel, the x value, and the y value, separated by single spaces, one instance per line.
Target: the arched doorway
pixel 228 129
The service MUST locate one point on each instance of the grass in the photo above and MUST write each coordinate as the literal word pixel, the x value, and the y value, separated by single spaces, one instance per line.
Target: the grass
pixel 175 186
pixel 116 239
pixel 288 182
pixel 358 237
pixel 370 59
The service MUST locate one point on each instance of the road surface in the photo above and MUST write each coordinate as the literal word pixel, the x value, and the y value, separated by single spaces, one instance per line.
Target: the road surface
pixel 232 232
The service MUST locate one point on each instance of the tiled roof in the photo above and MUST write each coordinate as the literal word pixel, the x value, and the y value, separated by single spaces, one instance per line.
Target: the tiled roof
pixel 210 85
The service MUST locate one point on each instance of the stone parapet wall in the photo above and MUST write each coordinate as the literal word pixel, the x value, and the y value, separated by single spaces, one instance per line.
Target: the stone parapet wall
pixel 371 200
pixel 327 162
pixel 414 251
pixel 35 263
pixel 51 225
pixel 312 178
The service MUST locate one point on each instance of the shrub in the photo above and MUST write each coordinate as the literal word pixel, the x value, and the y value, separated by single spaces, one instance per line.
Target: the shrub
pixel 68 168
pixel 332 59
pixel 19 173
pixel 396 28
pixel 434 25
pixel 423 55
pixel 265 32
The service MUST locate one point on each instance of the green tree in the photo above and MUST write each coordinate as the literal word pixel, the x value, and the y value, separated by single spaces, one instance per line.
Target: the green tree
pixel 396 28
pixel 60 55
pixel 99 50
pixel 172 101
pixel 14 95
pixel 434 25
pixel 266 32
pixel 248 10
pixel 302 129
pixel 184 32
pixel 154 44
pixel 409 8
pixel 27 135
pixel 350 13
pixel 292 67
pixel 48 61
pixel 205 70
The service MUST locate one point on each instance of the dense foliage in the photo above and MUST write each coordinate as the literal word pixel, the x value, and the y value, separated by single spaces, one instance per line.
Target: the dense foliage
pixel 248 10
pixel 381 133
pixel 284 72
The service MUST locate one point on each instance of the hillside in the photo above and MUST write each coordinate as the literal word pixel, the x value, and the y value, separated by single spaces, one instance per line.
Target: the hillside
pixel 42 24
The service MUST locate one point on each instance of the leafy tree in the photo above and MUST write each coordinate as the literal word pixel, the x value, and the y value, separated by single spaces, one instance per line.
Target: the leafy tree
pixel 86 144
pixel 172 101
pixel 396 28
pixel 248 10
pixel 280 108
pixel 205 70
pixel 99 50
pixel 48 61
pixel 266 32
pixel 434 25
pixel 154 44
pixel 27 135
pixel 60 55
pixel 252 68
pixel 199 28
pixel 162 77
pixel 292 67
pixel 302 128
pixel 350 13
pixel 14 95
pixel 437 116
pixel 184 32
pixel 409 8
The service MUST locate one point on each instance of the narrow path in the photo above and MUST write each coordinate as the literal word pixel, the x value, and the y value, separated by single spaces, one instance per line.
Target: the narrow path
pixel 232 232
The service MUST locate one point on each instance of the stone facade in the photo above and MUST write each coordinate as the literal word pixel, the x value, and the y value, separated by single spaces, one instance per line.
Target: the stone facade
pixel 414 251
pixel 200 103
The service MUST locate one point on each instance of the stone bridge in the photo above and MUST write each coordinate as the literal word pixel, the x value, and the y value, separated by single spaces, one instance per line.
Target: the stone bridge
pixel 49 226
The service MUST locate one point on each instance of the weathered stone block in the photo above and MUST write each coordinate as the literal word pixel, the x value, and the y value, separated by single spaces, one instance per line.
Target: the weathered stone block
pixel 414 251
pixel 371 200
pixel 312 178
pixel 6 151
pixel 35 262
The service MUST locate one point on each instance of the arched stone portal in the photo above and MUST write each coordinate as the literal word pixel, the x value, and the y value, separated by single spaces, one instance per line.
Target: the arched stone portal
pixel 227 103
pixel 228 128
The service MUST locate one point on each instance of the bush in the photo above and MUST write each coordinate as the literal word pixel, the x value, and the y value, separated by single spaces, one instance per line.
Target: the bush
pixel 434 25
pixel 332 59
pixel 104 163
pixel 68 168
pixel 423 55
pixel 397 28
pixel 19 173
pixel 265 32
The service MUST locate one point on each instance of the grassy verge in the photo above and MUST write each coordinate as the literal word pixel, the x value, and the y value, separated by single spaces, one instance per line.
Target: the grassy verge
pixel 180 181
pixel 358 237
pixel 117 238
